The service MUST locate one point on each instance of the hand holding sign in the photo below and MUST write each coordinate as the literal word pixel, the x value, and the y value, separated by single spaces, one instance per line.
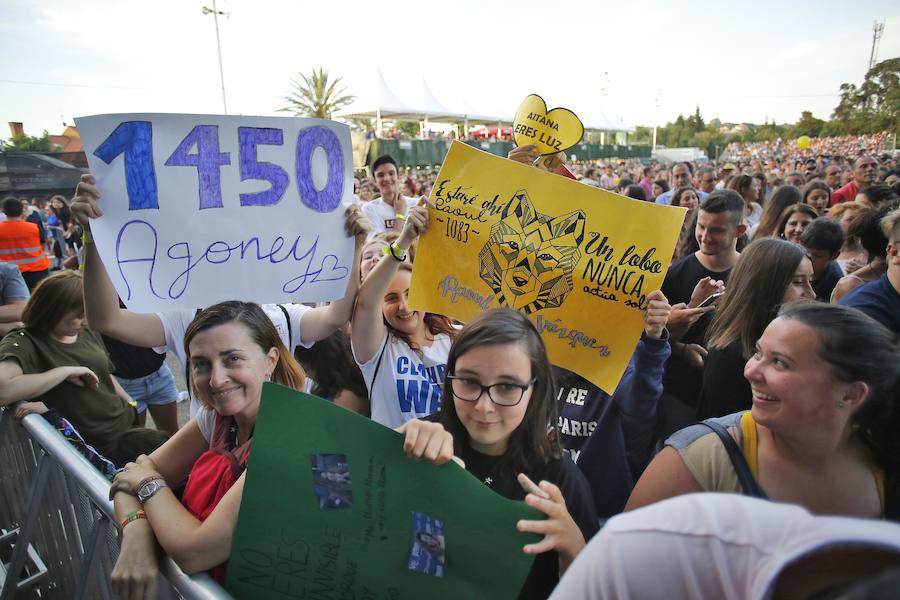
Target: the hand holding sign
pixel 552 131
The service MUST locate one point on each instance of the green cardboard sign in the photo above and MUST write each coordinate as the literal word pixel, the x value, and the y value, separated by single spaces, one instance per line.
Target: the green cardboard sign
pixel 333 509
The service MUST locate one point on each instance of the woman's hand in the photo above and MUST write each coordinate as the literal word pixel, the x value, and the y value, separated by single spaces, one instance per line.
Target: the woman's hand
pixel 416 224
pixel 136 571
pixel 26 408
pixel 84 205
pixel 657 315
pixel 526 154
pixel 127 479
pixel 560 531
pixel 681 317
pixel 429 441
pixel 694 355
pixel 82 376
pixel 529 155
pixel 356 224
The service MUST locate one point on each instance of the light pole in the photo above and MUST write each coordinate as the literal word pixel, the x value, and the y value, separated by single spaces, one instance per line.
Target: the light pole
pixel 656 120
pixel 215 13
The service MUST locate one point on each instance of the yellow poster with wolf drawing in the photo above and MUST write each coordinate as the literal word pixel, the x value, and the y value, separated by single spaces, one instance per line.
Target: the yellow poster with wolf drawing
pixel 578 260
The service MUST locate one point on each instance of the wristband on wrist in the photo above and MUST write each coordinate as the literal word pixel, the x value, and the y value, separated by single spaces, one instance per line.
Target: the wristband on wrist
pixel 397 252
pixel 87 237
pixel 132 516
pixel 400 216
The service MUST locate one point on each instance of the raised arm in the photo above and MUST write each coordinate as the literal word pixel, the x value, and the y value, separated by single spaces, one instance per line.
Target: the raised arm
pixel 101 302
pixel 320 322
pixel 368 329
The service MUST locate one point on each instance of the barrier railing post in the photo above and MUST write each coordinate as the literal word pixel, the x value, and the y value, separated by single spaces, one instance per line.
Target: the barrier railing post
pixel 87 561
pixel 20 551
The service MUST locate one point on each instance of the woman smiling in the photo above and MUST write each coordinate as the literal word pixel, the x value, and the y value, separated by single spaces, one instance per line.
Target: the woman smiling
pixel 822 432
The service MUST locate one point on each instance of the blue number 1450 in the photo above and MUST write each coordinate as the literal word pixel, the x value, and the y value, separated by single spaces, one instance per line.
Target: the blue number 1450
pixel 134 139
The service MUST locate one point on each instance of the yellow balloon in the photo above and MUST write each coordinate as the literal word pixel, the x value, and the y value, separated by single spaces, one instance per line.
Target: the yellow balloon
pixel 803 142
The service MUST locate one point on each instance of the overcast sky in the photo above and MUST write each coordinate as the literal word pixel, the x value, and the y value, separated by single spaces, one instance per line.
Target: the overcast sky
pixel 739 61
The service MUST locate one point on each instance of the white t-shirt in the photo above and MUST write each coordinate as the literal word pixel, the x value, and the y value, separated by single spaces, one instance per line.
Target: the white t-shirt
pixel 206 421
pixel 408 384
pixel 175 324
pixel 709 546
pixel 381 214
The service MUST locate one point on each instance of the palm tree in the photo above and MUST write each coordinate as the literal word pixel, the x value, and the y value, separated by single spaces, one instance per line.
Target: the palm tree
pixel 314 96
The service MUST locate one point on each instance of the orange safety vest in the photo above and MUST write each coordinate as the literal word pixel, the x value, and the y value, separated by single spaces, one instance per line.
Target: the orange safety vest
pixel 20 244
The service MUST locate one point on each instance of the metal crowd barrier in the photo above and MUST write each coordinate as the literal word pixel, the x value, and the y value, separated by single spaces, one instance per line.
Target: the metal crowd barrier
pixel 58 538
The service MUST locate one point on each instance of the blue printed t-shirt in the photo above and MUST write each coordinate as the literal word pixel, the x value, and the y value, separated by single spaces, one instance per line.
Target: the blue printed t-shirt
pixel 407 384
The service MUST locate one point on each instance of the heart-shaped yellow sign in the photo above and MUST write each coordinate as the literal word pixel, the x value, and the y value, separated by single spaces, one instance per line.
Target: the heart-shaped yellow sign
pixel 552 130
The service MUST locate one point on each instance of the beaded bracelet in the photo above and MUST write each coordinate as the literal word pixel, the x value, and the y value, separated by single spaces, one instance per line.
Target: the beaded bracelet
pixel 133 516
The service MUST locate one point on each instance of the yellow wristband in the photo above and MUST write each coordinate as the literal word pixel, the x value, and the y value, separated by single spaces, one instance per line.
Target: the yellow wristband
pixel 400 216
pixel 87 237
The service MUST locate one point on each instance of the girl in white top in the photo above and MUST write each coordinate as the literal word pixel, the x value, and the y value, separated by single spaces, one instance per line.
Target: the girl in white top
pixel 402 353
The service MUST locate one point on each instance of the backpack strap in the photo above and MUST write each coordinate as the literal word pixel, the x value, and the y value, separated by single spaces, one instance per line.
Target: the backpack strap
pixel 378 365
pixel 744 475
pixel 287 319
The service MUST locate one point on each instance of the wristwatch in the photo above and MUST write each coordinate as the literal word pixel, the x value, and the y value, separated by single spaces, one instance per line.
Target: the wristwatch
pixel 147 490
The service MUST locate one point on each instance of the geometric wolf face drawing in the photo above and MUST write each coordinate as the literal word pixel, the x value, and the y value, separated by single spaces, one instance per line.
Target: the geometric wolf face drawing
pixel 529 258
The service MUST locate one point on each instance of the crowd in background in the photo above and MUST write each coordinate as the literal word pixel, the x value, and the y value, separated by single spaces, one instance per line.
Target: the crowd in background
pixel 767 368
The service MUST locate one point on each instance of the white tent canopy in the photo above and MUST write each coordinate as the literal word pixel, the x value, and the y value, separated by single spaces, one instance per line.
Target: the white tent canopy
pixel 423 105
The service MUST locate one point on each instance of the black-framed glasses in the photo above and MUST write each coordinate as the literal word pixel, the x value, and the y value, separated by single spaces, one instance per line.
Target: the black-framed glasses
pixel 501 394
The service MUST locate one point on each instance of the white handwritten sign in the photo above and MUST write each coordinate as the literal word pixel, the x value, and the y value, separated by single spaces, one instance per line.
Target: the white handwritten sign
pixel 199 208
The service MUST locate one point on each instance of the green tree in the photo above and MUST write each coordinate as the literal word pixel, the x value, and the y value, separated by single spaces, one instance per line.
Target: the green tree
pixel 807 125
pixel 410 128
pixel 28 143
pixel 874 105
pixel 314 96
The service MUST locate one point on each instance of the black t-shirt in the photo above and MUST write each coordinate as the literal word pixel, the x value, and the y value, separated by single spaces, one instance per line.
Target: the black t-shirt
pixel 682 380
pixel 132 362
pixel 725 390
pixel 562 472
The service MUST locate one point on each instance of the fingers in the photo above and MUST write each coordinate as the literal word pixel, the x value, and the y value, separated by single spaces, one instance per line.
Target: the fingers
pixel 526 154
pixel 412 434
pixel 530 487
pixel 657 296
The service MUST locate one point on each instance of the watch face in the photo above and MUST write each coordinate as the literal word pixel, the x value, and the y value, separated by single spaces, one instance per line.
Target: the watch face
pixel 148 490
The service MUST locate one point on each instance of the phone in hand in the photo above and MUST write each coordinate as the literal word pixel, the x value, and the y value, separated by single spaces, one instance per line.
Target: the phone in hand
pixel 710 300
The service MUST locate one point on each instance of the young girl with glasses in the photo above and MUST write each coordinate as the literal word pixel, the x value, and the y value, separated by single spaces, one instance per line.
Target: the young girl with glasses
pixel 500 422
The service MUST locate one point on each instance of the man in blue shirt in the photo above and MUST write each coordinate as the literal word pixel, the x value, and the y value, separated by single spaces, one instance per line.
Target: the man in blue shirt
pixel 13 295
pixel 681 178
pixel 880 299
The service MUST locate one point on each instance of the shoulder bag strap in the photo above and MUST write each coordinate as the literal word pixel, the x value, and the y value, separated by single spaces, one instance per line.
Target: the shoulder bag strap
pixel 287 319
pixel 378 365
pixel 745 477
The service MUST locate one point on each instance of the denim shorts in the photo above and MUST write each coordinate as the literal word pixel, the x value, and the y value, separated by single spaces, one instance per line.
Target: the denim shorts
pixel 156 388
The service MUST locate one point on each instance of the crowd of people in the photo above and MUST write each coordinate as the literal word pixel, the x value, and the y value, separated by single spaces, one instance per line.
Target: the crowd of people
pixel 767 368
